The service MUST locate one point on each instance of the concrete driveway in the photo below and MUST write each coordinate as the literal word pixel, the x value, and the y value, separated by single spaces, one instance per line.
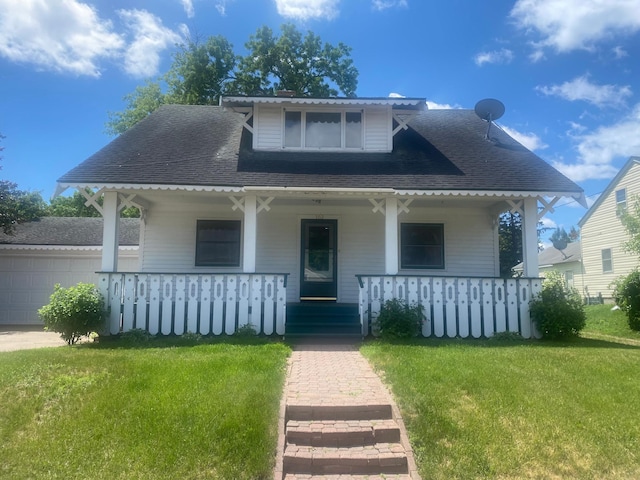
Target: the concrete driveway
pixel 14 337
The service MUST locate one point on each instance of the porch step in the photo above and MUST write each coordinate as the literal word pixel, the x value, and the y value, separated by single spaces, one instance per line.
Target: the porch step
pixel 380 458
pixel 321 318
pixel 306 476
pixel 342 433
pixel 342 442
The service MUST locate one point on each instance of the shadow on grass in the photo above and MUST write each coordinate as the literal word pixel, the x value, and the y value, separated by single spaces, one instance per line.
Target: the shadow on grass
pixel 575 342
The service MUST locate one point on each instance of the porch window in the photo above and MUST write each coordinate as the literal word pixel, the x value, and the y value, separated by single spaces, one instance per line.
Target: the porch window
pixel 322 130
pixel 607 261
pixel 218 243
pixel 421 245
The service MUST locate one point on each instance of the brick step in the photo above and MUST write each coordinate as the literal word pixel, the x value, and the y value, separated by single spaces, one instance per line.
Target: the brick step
pixel 381 458
pixel 305 476
pixel 332 433
pixel 376 411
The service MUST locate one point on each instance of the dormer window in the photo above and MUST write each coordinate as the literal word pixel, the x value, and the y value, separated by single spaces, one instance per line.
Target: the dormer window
pixel 322 129
pixel 303 124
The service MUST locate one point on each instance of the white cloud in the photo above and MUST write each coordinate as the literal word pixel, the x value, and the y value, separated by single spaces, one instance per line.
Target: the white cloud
pixel 188 8
pixel 599 148
pixel 221 6
pixel 306 9
pixel 580 88
pixel 497 56
pixel 567 25
pixel 548 223
pixel 385 4
pixel 142 56
pixel 58 35
pixel 439 106
pixel 530 140
pixel 68 36
pixel 619 52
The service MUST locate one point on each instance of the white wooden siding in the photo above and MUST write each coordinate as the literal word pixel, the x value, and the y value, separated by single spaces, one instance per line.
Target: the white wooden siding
pixel 602 230
pixel 267 128
pixel 169 239
pixel 27 278
pixel 377 132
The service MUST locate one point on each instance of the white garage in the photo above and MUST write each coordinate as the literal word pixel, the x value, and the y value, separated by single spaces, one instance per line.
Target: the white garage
pixel 54 250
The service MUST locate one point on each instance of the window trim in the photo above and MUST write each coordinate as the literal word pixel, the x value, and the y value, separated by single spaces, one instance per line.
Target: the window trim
pixel 402 245
pixel 609 260
pixel 343 129
pixel 621 205
pixel 238 254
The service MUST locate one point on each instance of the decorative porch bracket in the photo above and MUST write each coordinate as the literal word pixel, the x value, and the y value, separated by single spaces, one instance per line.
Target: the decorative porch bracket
pixel 403 119
pixel 263 204
pixel 92 199
pixel 379 205
pixel 546 206
pixel 248 115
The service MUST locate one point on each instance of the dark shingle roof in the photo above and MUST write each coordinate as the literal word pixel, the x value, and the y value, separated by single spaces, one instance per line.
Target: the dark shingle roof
pixel 206 145
pixel 70 231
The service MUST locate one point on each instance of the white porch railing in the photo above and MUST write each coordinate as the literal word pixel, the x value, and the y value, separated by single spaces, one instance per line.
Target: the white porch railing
pixel 455 306
pixel 175 303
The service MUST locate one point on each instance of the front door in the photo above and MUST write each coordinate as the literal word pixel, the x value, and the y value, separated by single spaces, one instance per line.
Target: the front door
pixel 319 260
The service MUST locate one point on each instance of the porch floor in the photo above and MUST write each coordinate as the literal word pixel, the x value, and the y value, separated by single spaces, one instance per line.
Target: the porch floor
pixel 322 319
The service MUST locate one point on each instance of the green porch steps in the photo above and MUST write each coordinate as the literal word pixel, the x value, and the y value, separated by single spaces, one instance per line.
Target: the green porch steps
pixel 322 319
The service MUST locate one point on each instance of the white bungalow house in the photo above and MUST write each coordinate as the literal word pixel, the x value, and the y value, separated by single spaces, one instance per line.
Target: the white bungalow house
pixel 306 214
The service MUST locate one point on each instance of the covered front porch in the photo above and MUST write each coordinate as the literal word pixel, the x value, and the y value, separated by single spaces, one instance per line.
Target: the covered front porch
pixel 462 296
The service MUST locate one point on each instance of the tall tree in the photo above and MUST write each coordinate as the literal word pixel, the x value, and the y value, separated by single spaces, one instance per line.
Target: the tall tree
pixel 17 206
pixel 292 62
pixel 140 103
pixel 201 72
pixel 630 219
pixel 510 242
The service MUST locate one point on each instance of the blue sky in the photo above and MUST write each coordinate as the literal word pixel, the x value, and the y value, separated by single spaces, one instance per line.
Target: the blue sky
pixel 566 70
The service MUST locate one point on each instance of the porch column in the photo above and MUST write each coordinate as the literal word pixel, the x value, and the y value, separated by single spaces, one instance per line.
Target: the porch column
pixel 250 234
pixel 391 236
pixel 111 226
pixel 530 237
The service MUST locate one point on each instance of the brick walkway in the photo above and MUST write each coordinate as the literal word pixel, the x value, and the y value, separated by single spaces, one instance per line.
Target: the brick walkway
pixel 338 421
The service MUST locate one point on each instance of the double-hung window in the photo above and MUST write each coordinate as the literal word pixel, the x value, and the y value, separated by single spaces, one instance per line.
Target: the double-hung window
pixel 322 130
pixel 621 200
pixel 607 261
pixel 218 243
pixel 421 245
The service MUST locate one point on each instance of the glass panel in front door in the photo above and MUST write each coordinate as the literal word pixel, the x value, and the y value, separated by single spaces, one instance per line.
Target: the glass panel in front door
pixel 318 253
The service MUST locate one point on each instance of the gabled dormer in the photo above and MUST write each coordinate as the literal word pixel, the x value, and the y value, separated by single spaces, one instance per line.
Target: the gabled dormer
pixel 324 124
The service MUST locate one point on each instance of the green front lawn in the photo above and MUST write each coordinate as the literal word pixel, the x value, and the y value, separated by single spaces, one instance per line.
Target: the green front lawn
pixel 206 411
pixel 512 410
pixel 603 321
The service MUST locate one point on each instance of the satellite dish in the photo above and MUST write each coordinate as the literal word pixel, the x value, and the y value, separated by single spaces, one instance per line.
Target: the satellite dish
pixel 489 110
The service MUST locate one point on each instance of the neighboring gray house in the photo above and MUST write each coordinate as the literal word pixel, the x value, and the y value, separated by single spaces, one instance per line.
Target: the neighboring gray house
pixel 567 261
pixel 54 250
pixel 306 214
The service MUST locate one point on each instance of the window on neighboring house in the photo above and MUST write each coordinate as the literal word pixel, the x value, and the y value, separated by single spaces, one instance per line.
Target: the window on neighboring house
pixel 607 261
pixel 319 130
pixel 421 245
pixel 218 243
pixel 621 200
pixel 568 278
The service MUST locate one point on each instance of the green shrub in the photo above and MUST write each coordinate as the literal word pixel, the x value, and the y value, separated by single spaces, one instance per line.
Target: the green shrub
pixel 136 335
pixel 246 330
pixel 74 312
pixel 626 293
pixel 557 310
pixel 398 319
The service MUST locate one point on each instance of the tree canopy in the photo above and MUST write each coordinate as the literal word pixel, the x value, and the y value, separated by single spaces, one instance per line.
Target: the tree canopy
pixel 202 72
pixel 17 206
pixel 74 206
